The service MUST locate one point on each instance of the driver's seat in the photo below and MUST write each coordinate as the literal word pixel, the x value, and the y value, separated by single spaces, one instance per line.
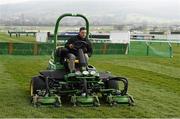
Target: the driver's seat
pixel 76 61
pixel 59 54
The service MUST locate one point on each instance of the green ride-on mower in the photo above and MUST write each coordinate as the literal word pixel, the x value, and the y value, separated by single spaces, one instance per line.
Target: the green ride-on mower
pixel 84 87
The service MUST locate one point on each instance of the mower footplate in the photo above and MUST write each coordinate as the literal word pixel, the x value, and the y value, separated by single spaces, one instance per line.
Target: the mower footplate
pixel 85 101
pixel 46 100
pixel 118 99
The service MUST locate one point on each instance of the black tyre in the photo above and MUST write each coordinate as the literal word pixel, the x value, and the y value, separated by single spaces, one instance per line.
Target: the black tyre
pixel 37 83
pixel 113 84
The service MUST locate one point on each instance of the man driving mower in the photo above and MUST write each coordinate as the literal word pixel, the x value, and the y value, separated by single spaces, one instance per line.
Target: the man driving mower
pixel 84 87
pixel 70 52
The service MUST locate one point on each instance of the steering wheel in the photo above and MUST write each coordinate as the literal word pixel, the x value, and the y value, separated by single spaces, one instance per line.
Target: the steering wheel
pixel 80 45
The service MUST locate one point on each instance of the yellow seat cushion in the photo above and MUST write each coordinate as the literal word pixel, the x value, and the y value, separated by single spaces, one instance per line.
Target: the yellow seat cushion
pixel 76 61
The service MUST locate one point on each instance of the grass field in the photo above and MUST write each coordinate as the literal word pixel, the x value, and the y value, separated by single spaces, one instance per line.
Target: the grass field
pixel 23 39
pixel 154 82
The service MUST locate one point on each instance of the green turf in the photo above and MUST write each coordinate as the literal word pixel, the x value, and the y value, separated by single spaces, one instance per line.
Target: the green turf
pixel 154 83
pixel 23 39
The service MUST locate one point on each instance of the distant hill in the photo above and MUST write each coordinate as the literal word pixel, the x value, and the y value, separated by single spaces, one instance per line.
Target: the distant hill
pixel 98 11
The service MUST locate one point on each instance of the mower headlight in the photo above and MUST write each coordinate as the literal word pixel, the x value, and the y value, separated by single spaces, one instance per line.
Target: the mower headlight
pixel 92 72
pixel 78 73
pixel 85 73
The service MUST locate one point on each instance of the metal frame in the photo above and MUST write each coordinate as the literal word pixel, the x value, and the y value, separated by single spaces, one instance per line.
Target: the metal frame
pixel 68 15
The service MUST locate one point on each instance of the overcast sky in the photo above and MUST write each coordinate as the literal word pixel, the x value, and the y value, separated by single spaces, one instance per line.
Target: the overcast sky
pixel 169 4
pixel 150 2
pixel 12 1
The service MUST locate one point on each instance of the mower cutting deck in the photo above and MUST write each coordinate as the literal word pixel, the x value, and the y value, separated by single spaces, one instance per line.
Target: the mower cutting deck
pixel 85 87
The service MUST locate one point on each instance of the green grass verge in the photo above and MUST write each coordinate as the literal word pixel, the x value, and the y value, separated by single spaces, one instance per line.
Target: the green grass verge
pixel 23 39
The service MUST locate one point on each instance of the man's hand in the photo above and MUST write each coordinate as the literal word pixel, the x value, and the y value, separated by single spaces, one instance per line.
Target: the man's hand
pixel 71 46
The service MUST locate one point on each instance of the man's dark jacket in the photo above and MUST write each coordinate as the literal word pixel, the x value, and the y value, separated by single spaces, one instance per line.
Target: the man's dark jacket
pixel 76 38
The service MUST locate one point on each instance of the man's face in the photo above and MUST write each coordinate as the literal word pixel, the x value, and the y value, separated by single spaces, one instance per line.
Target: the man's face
pixel 82 33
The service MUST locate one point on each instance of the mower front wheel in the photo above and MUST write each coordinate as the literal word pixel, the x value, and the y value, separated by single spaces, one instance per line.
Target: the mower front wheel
pixel 37 83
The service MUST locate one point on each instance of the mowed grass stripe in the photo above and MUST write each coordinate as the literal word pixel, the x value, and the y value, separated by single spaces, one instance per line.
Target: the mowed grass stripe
pixel 12 97
pixel 160 91
pixel 156 79
pixel 148 66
